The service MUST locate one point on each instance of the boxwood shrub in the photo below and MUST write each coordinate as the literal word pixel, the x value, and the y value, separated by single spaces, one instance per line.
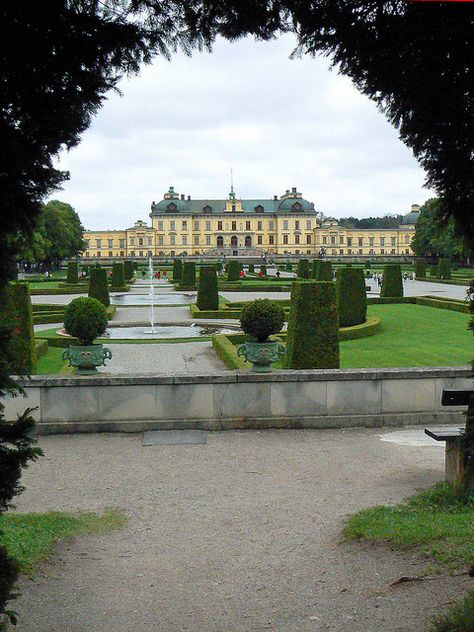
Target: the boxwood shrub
pixel 208 294
pixel 17 317
pixel 289 267
pixel 85 319
pixel 351 297
pixel 263 270
pixel 118 275
pixel 420 268
pixel 177 269
pixel 444 269
pixel 188 278
pixel 324 271
pixel 251 268
pixel 262 318
pixel 312 341
pixel 233 271
pixel 128 269
pixel 433 271
pixel 303 269
pixel 98 287
pixel 392 284
pixel 72 272
pixel 315 269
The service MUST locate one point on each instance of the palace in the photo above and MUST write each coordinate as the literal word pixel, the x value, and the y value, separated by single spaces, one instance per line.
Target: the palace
pixel 286 224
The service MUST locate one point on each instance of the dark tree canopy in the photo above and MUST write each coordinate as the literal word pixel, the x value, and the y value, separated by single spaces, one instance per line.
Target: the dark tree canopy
pixel 434 238
pixel 59 58
pixel 387 221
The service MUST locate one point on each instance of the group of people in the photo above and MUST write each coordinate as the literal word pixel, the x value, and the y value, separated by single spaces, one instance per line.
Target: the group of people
pixel 378 277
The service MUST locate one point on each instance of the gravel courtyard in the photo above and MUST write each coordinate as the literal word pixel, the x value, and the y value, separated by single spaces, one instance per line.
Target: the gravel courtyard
pixel 240 534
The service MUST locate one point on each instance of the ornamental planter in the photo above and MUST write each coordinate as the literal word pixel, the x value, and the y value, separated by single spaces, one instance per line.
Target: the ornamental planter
pixel 86 358
pixel 261 354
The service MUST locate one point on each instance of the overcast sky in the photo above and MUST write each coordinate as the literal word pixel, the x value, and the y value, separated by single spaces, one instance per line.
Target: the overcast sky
pixel 277 122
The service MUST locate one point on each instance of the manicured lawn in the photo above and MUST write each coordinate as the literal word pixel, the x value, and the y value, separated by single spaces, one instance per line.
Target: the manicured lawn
pixel 29 538
pixel 52 362
pixel 412 335
pixel 436 521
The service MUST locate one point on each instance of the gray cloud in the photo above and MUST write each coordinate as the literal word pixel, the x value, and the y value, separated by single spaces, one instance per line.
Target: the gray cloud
pixel 277 122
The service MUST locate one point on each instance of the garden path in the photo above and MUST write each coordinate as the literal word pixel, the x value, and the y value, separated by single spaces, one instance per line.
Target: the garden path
pixel 241 534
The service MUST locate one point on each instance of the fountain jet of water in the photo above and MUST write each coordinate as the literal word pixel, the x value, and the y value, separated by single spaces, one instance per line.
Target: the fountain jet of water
pixel 152 294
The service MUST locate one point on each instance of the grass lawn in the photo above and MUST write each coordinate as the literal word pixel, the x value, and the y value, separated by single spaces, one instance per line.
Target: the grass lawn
pixel 29 538
pixel 411 335
pixel 435 521
pixel 52 362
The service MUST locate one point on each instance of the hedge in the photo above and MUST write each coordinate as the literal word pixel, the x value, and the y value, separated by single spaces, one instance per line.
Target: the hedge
pixel 303 271
pixel 420 268
pixel 208 294
pixel 118 275
pixel 433 271
pixel 263 270
pixel 177 269
pixel 251 268
pixel 315 269
pixel 72 272
pixel 444 269
pixel 313 326
pixel 128 269
pixel 324 271
pixel 351 297
pixel 98 287
pixel 16 315
pixel 188 278
pixel 289 267
pixel 233 273
pixel 392 284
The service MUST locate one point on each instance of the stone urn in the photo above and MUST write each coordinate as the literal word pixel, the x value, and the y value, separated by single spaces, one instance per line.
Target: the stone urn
pixel 262 354
pixel 86 358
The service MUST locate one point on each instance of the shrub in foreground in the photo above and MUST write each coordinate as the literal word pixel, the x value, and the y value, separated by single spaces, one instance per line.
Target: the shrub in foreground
pixel 261 319
pixel 16 317
pixel 85 319
pixel 128 269
pixel 208 294
pixel 313 326
pixel 98 286
pixel 351 297
pixel 233 271
pixel 392 284
pixel 188 278
pixel 118 275
pixel 72 272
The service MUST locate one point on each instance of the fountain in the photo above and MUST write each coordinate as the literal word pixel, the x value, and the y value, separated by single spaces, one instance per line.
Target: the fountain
pixel 151 295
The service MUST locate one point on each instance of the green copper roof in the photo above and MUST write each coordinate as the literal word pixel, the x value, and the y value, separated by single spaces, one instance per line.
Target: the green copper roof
pixel 411 218
pixel 218 206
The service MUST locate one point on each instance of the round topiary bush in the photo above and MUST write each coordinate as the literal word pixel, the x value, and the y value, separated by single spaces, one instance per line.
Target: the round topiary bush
pixel 392 284
pixel 85 319
pixel 351 297
pixel 208 294
pixel 262 318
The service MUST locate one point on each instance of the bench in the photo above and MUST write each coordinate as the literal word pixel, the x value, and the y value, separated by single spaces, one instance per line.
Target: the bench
pixel 454 460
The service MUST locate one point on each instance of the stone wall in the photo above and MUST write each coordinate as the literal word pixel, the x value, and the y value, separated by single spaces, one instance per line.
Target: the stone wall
pixel 282 399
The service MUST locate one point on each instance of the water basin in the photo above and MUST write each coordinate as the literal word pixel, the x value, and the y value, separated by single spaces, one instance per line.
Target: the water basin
pixel 168 331
pixel 171 298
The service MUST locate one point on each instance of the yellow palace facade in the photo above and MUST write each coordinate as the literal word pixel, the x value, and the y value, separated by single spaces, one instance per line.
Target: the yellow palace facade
pixel 285 225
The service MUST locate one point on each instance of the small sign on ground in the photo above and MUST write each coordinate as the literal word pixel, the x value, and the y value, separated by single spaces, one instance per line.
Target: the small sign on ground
pixel 174 437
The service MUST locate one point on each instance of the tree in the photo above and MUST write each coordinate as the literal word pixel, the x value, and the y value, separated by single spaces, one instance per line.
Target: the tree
pixel 434 238
pixel 387 221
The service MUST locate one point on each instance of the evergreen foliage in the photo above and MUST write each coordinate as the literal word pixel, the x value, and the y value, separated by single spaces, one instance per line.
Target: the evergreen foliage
pixel 16 317
pixel 420 267
pixel 433 271
pixel 351 297
pixel 312 341
pixel 315 269
pixel 98 286
pixel 128 270
pixel 177 269
pixel 303 269
pixel 392 284
pixel 233 272
pixel 444 269
pixel 263 270
pixel 324 271
pixel 85 319
pixel 208 293
pixel 261 319
pixel 251 268
pixel 118 275
pixel 219 266
pixel 289 267
pixel 189 274
pixel 72 272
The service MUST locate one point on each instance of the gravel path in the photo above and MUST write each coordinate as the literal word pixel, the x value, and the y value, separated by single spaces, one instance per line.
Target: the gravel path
pixel 188 357
pixel 242 534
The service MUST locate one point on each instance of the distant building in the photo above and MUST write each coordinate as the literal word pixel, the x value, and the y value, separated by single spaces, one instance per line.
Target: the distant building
pixel 286 224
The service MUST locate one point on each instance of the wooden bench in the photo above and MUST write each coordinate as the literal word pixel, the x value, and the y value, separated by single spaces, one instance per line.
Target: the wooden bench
pixel 453 460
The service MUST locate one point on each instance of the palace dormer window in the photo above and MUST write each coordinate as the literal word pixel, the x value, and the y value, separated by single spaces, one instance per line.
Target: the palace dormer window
pixel 296 206
pixel 207 208
pixel 259 209
pixel 171 208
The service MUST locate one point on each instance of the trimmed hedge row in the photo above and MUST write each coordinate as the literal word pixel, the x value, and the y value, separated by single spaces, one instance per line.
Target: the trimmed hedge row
pixel 72 272
pixel 99 288
pixel 128 269
pixel 303 270
pixel 233 270
pixel 351 297
pixel 188 278
pixel 392 284
pixel 118 275
pixel 177 269
pixel 313 327
pixel 444 269
pixel 420 268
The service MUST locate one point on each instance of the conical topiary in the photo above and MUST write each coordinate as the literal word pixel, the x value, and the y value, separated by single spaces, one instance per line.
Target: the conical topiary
pixel 16 316
pixel 128 269
pixel 420 268
pixel 208 294
pixel 118 276
pixel 98 286
pixel 351 297
pixel 303 269
pixel 72 272
pixel 177 269
pixel 233 272
pixel 392 284
pixel 444 269
pixel 188 278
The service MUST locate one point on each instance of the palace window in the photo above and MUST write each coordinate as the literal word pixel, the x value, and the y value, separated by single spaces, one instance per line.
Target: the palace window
pixel 160 240
pixel 382 251
pixel 371 241
pixel 393 241
pixel 308 239
pixel 271 240
pixel 196 225
pixel 349 241
pixel 140 254
pixel 407 239
pixel 259 225
pixel 98 243
pixel 360 251
pixel 185 225
pixel 171 208
pixel 349 252
pixel 341 239
pixel 173 225
pixel 121 243
pixel 150 241
pixel 110 243
pixel 296 206
pixel 333 240
pixel 285 239
pixel 259 240
pixel 173 240
pixel 160 225
pixel 122 254
pixel 219 225
pixel 308 224
pixel 259 209
pixel 393 251
pixel 297 225
pixel 271 225
pixel 297 239
pixel 110 253
pixel 185 240
pixel 285 224
pixel 196 240
pixel 207 208
pixel 208 225
pixel 361 242
pixel 371 251
pixel 247 225
pixel 140 241
pixel 382 241
pixel 234 225
pixel 208 240
pixel 325 239
pixel 341 252
pixel 220 241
